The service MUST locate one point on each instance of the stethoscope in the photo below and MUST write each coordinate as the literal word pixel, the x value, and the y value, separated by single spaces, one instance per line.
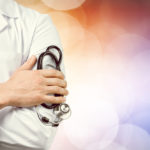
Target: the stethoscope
pixel 52 114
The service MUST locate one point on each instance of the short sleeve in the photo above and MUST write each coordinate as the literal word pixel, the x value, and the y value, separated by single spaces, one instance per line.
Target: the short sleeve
pixel 45 35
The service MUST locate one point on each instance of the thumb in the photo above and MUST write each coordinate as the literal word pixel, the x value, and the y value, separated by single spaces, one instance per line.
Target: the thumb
pixel 28 65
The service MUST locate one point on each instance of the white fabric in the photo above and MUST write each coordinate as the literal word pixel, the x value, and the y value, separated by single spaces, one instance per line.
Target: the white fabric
pixel 23 32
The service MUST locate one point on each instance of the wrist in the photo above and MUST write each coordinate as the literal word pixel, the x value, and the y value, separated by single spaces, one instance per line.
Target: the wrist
pixel 2 103
pixel 4 100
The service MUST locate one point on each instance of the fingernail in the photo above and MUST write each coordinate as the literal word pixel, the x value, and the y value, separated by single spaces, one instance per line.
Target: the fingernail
pixel 32 56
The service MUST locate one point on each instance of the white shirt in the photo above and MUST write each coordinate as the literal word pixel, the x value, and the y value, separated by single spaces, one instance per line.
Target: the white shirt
pixel 23 32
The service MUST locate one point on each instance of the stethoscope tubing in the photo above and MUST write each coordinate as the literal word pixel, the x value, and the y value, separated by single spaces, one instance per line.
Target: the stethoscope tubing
pixel 57 62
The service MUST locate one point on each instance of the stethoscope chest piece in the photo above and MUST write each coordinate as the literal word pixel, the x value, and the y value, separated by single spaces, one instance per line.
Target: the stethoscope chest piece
pixel 53 116
pixel 62 112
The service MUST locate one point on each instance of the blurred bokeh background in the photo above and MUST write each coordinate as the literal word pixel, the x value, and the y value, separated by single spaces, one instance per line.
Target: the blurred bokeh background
pixel 107 59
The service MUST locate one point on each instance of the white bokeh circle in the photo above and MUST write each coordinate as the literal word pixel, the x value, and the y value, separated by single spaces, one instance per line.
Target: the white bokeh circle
pixel 139 74
pixel 63 4
pixel 116 87
pixel 133 137
pixel 127 45
pixel 88 69
pixel 112 146
pixel 70 30
pixel 106 31
pixel 92 119
pixel 119 77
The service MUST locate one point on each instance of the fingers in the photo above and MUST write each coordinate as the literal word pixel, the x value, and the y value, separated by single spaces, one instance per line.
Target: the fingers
pixel 55 82
pixel 54 100
pixel 28 65
pixel 53 73
pixel 56 90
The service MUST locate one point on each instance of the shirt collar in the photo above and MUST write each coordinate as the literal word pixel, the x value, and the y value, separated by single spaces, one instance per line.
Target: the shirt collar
pixel 9 8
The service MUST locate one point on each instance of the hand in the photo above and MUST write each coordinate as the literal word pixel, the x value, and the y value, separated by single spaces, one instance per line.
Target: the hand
pixel 28 87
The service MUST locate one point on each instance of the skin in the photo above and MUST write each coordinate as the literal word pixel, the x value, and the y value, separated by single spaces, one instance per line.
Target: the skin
pixel 27 87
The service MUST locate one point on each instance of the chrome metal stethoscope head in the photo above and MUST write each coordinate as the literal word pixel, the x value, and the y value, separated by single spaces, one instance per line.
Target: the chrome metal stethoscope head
pixel 54 117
